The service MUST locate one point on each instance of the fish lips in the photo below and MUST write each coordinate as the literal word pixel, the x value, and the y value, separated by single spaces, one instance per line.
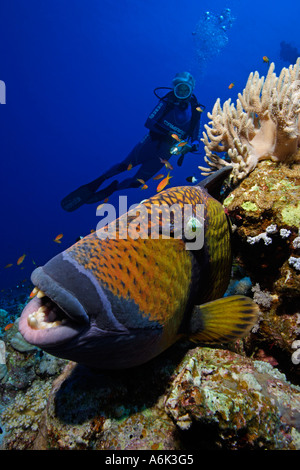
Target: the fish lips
pixel 59 295
pixel 75 317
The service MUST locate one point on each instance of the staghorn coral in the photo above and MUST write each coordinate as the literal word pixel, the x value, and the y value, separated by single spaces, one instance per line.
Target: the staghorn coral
pixel 264 124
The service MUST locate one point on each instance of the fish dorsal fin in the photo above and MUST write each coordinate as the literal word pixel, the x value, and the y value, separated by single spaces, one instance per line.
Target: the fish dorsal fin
pixel 213 183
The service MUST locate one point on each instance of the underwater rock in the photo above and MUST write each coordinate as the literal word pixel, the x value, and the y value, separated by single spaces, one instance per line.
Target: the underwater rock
pixel 235 402
pixel 19 343
pixel 3 367
pixel 25 382
pixel 185 399
pixel 265 212
pixel 20 419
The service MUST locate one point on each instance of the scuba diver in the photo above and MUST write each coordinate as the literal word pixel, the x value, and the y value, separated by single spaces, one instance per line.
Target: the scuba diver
pixel 173 130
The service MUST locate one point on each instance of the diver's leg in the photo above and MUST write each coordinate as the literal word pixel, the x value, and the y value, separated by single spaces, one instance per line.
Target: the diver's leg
pixel 148 153
pixel 150 158
pixel 134 158
pixel 86 193
pixel 147 171
pixel 115 169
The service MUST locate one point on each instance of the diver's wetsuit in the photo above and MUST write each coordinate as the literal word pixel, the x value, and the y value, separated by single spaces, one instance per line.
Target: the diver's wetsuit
pixel 167 118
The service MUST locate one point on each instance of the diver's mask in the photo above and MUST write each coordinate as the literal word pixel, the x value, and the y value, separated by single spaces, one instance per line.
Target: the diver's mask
pixel 184 85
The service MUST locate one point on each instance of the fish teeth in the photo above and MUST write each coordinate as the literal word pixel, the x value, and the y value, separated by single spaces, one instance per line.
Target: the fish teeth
pixel 33 292
pixel 36 320
pixel 32 321
pixel 40 294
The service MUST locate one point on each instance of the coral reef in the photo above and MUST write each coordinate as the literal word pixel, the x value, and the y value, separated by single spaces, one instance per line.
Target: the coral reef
pixel 235 400
pixel 264 124
pixel 244 396
pixel 26 377
pixel 265 212
pixel 186 399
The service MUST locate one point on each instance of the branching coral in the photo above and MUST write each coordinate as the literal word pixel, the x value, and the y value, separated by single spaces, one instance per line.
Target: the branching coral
pixel 264 124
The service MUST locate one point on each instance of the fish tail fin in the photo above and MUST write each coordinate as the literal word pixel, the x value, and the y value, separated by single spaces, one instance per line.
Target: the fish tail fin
pixel 223 320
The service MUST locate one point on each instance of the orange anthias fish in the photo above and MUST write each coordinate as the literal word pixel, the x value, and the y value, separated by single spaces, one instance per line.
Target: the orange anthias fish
pixel 164 183
pixel 182 143
pixel 231 85
pixel 58 238
pixel 266 59
pixel 158 177
pixel 9 265
pixel 8 327
pixel 175 136
pixel 118 301
pixel 21 259
pixel 167 164
pixel 129 166
pixel 144 186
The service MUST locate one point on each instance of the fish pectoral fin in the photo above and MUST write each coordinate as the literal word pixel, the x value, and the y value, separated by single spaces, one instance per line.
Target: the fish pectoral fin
pixel 223 320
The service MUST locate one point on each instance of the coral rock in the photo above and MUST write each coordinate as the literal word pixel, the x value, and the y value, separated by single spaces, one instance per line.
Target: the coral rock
pixel 234 402
pixel 185 399
pixel 266 244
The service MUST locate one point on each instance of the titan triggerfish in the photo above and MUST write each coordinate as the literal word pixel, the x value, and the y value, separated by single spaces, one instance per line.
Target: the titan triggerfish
pixel 113 303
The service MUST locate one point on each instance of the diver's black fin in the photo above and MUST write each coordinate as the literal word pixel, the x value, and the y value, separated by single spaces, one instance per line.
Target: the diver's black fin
pixel 77 198
pixel 81 195
pixel 180 160
pixel 103 193
pixel 213 183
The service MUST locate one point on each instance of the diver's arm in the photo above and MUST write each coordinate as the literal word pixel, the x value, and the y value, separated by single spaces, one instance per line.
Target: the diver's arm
pixel 195 136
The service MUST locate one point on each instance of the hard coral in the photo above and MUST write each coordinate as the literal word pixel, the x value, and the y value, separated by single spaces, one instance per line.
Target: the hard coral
pixel 264 124
pixel 264 210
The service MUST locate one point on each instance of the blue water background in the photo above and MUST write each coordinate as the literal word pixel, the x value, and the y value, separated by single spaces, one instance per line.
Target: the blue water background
pixel 79 81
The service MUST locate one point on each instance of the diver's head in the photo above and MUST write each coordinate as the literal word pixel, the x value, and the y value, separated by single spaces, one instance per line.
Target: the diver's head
pixel 184 84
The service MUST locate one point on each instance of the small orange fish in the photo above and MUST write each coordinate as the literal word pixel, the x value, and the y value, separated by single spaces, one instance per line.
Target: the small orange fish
pixel 200 110
pixel 129 166
pixel 164 183
pixel 175 136
pixel 106 200
pixel 144 186
pixel 8 266
pixel 8 326
pixel 166 163
pixel 58 238
pixel 141 181
pixel 266 59
pixel 231 85
pixel 158 177
pixel 182 144
pixel 21 259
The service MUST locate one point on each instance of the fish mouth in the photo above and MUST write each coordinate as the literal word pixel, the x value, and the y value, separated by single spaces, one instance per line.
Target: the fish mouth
pixel 53 316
